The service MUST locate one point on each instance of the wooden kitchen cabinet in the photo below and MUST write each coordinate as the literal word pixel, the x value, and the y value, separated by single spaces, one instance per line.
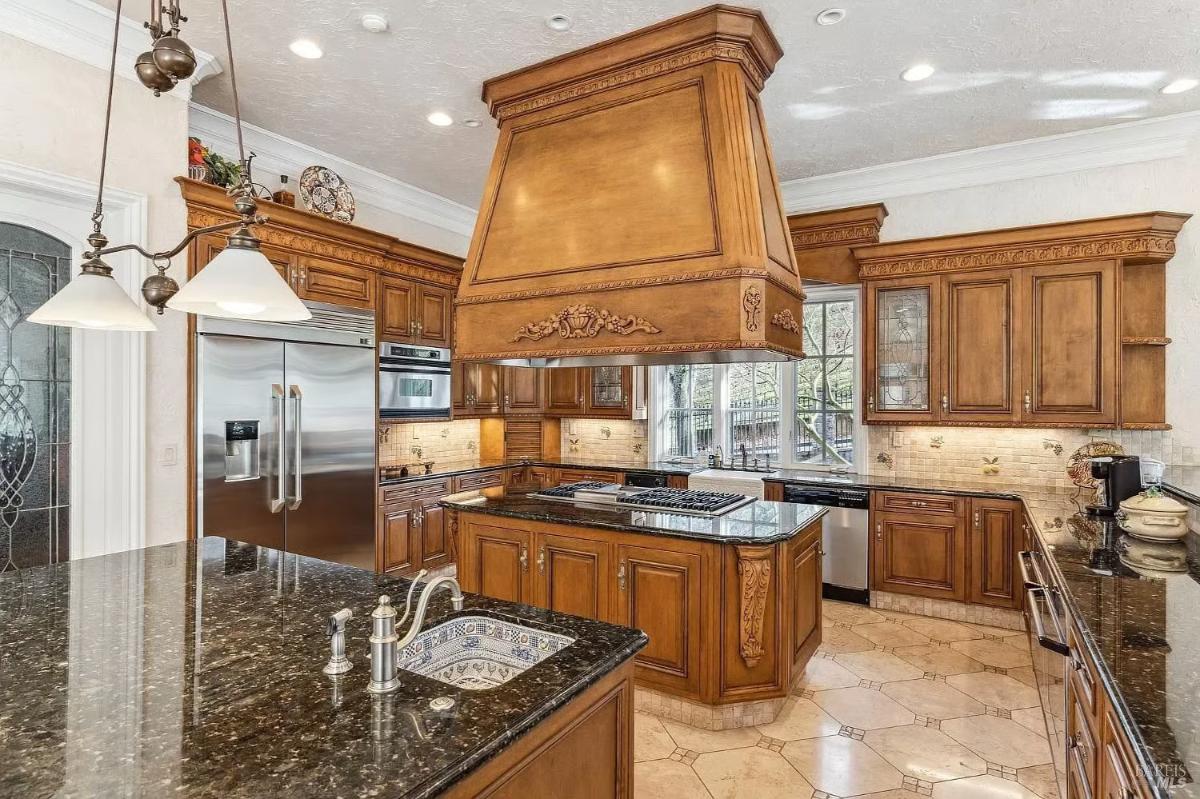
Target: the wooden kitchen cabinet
pixel 411 531
pixel 995 541
pixel 523 392
pixel 565 391
pixel 414 312
pixel 336 282
pixel 435 540
pixel 476 389
pixel 659 592
pixel 616 392
pixel 401 552
pixel 495 561
pixel 574 575
pixel 902 360
pixel 805 575
pixel 435 309
pixel 919 554
pixel 978 378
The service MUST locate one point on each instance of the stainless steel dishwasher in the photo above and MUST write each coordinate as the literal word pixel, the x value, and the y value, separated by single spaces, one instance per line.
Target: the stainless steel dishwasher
pixel 845 535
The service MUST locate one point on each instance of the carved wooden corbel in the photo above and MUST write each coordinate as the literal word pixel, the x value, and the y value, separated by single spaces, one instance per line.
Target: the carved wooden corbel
pixel 754 572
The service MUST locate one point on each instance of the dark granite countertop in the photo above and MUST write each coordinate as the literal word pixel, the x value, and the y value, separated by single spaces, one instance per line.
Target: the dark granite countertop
pixel 446 469
pixel 466 467
pixel 760 522
pixel 194 670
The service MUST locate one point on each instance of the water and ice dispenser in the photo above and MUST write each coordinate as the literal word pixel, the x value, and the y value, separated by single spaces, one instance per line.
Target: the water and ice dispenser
pixel 241 450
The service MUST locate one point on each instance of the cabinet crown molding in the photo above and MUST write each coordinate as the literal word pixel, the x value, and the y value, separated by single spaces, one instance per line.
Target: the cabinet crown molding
pixel 1133 238
pixel 822 240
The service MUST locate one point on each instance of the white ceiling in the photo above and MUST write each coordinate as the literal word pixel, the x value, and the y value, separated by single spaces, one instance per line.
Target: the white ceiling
pixel 1007 70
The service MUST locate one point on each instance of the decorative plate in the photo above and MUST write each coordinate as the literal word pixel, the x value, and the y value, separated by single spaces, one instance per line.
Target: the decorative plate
pixel 324 192
pixel 1078 467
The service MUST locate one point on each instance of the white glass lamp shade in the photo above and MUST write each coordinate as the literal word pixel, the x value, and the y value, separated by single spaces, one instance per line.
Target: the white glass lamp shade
pixel 240 283
pixel 93 301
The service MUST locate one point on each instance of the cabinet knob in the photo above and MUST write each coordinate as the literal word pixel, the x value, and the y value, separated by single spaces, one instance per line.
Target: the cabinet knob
pixel 621 576
pixel 1028 402
pixel 976 518
pixel 945 403
pixel 878 531
pixel 524 559
pixel 871 402
pixel 541 560
pixel 507 401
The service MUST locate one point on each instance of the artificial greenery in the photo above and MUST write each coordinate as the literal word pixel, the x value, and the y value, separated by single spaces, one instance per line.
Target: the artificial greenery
pixel 221 171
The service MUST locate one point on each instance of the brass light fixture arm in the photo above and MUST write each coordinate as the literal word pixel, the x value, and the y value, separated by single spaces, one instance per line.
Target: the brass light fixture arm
pixel 168 254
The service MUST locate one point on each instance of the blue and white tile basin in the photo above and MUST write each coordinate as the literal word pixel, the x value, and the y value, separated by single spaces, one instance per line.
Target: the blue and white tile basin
pixel 479 652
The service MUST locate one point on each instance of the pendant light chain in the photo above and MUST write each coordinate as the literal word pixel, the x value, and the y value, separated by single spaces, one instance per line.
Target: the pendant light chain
pixel 237 106
pixel 98 213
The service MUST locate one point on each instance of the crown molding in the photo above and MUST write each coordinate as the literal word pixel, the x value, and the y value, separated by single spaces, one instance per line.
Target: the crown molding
pixel 283 156
pixel 1112 145
pixel 82 30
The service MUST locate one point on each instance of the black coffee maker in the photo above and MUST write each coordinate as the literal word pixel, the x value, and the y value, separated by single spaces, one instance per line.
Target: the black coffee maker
pixel 1121 478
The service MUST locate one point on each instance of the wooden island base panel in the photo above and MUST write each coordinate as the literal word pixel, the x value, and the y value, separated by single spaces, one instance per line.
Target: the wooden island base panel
pixel 731 625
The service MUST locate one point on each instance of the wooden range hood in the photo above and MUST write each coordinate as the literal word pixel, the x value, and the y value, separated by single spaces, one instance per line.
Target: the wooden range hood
pixel 632 212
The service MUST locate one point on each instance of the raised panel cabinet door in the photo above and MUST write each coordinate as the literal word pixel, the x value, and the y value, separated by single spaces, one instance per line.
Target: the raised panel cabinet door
pixel 921 555
pixel 489 388
pixel 397 298
pixel 401 547
pixel 496 562
pixel 979 371
pixel 995 525
pixel 336 282
pixel 573 575
pixel 1071 343
pixel 565 391
pixel 461 388
pixel 433 308
pixel 658 592
pixel 902 355
pixel 523 390
pixel 805 587
pixel 435 539
pixel 609 391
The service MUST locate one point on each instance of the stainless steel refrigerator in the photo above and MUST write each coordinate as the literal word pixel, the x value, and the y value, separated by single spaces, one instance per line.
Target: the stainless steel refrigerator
pixel 286 428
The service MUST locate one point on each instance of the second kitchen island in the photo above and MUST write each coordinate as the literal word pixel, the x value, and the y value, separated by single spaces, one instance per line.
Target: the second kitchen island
pixel 731 603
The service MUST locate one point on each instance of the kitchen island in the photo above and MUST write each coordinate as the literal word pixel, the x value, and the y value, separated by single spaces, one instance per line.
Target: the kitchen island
pixel 731 603
pixel 195 670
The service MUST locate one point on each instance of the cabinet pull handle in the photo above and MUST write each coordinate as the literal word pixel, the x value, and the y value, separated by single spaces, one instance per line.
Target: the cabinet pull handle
pixel 304 276
pixel 976 518
pixel 507 401
pixel 878 531
pixel 621 576
pixel 1028 402
pixel 420 327
pixel 524 559
pixel 871 402
pixel 541 560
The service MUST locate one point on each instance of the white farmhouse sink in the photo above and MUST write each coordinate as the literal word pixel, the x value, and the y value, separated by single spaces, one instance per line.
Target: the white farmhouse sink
pixel 479 652
pixel 732 480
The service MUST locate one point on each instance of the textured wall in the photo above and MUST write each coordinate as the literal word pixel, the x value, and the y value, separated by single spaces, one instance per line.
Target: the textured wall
pixel 443 442
pixel 600 440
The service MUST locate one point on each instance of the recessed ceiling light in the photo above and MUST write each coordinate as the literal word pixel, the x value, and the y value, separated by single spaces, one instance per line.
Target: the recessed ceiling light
pixel 558 22
pixel 471 123
pixel 306 48
pixel 440 118
pixel 831 16
pixel 374 23
pixel 917 72
pixel 1180 86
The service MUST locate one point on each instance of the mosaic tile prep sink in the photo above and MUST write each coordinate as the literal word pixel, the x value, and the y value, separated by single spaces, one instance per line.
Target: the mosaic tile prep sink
pixel 479 652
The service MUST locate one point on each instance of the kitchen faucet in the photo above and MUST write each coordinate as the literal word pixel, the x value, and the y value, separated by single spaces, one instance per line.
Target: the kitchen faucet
pixel 386 646
pixel 744 464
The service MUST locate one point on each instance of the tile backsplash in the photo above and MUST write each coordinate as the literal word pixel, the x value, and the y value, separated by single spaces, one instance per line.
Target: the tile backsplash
pixel 402 444
pixel 602 440
pixel 1004 453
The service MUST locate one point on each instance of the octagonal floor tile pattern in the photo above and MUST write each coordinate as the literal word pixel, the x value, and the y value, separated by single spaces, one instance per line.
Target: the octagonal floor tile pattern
pixel 892 706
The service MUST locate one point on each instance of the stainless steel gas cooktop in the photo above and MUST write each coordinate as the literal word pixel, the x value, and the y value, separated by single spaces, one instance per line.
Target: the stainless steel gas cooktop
pixel 668 500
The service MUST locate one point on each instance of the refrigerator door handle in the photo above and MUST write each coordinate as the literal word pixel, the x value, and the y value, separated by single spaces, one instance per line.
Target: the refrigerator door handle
pixel 277 400
pixel 297 461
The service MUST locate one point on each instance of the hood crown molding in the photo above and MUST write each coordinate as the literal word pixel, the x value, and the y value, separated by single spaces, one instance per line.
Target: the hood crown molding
pixel 632 212
pixel 82 30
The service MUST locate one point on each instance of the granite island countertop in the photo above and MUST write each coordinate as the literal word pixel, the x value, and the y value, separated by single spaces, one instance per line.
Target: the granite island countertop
pixel 1140 625
pixel 194 670
pixel 760 522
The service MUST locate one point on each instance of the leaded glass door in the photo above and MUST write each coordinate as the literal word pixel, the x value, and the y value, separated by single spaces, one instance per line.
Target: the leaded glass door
pixel 901 380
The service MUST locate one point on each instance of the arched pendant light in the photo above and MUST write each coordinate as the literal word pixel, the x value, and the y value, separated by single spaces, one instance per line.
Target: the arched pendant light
pixel 240 283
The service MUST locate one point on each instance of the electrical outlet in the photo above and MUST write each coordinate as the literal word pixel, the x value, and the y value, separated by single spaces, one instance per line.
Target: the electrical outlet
pixel 897 438
pixel 169 455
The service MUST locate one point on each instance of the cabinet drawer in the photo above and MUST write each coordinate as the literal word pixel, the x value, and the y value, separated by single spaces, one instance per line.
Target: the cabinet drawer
pixel 579 475
pixel 471 482
pixel 336 282
pixel 920 503
pixel 409 492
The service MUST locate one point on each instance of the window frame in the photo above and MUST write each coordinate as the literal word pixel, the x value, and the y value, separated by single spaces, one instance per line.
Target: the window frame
pixel 787 386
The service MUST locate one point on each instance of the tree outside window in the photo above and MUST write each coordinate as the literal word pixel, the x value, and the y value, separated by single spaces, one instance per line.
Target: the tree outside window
pixel 824 420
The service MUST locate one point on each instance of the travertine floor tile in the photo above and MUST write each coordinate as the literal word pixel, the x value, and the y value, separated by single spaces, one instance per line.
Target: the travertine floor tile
pixel 650 738
pixel 888 633
pixel 849 613
pixel 999 740
pixel 993 653
pixel 938 659
pixel 983 787
pixel 753 772
pixel 942 629
pixel 863 708
pixel 1023 674
pixel 997 690
pixel 1040 780
pixel 666 779
pixel 822 674
pixel 925 753
pixel 699 740
pixel 1031 718
pixel 842 766
pixel 933 699
pixel 839 639
pixel 800 718
pixel 879 666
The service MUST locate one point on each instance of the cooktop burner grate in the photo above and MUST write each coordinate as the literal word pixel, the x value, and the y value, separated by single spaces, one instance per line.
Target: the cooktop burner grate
pixel 681 499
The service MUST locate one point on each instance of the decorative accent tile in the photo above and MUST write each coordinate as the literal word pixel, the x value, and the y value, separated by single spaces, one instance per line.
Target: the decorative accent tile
pixel 774 744
pixel 685 756
pixel 998 712
pixel 874 686
pixel 999 770
pixel 995 670
pixel 925 721
pixel 920 787
pixel 852 732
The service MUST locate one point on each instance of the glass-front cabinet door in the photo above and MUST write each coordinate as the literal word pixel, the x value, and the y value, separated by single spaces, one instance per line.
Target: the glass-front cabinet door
pixel 901 354
pixel 609 390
